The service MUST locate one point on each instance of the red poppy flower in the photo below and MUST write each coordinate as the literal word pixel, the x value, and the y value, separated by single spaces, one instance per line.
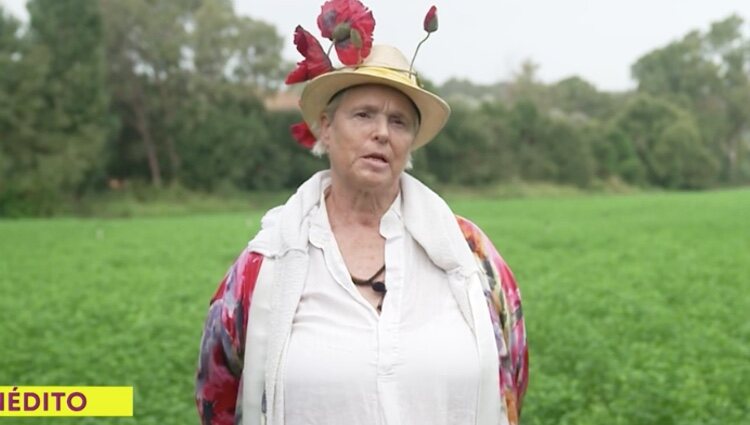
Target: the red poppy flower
pixel 316 61
pixel 349 24
pixel 302 134
pixel 431 20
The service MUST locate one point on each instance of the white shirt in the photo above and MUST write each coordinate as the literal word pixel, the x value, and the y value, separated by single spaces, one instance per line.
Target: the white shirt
pixel 415 364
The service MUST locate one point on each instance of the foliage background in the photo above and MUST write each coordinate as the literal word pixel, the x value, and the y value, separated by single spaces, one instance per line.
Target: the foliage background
pixel 100 96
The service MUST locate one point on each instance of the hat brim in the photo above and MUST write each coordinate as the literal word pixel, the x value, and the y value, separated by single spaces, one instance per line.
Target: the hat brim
pixel 433 110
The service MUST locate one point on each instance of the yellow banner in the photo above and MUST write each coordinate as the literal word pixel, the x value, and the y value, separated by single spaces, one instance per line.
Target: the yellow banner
pixel 66 401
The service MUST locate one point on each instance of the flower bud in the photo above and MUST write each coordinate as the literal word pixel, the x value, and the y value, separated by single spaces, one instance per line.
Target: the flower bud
pixel 431 20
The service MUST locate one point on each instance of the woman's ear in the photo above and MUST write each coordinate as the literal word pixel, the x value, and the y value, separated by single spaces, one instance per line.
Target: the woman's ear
pixel 325 128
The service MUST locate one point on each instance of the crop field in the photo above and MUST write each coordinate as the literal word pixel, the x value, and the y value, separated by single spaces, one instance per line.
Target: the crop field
pixel 637 306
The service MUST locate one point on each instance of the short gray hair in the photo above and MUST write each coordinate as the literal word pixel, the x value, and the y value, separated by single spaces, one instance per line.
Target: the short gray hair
pixel 319 149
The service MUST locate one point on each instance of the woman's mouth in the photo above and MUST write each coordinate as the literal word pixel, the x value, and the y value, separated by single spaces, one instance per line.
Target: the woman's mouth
pixel 376 157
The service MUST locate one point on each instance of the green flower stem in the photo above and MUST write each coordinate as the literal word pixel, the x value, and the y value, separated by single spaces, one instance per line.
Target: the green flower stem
pixel 411 66
pixel 328 53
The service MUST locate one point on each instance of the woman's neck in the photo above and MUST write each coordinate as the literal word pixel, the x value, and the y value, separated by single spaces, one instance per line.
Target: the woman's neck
pixel 350 206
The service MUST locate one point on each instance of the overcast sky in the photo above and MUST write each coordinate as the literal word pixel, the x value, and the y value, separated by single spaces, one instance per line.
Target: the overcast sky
pixel 486 40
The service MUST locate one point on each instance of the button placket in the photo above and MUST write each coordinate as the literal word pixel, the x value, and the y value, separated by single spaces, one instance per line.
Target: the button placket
pixel 390 318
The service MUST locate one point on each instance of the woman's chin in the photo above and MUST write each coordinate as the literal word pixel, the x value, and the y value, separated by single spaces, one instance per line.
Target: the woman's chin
pixel 369 179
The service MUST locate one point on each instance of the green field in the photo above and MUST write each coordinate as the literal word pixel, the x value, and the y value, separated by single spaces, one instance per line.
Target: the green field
pixel 637 307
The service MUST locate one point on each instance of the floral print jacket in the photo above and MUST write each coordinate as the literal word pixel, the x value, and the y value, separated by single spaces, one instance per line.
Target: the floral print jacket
pixel 220 365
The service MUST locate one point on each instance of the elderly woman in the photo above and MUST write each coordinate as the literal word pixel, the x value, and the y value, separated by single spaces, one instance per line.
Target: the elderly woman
pixel 364 299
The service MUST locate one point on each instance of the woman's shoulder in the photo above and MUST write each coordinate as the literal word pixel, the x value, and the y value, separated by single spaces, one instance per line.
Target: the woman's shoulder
pixel 478 241
pixel 267 240
pixel 490 260
pixel 240 279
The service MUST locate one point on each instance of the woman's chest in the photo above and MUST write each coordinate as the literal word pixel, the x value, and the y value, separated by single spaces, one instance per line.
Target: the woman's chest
pixel 348 362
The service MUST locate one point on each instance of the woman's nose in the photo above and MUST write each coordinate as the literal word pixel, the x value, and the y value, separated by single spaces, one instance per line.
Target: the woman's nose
pixel 381 131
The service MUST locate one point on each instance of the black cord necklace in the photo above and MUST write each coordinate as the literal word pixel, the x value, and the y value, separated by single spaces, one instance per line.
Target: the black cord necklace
pixel 377 286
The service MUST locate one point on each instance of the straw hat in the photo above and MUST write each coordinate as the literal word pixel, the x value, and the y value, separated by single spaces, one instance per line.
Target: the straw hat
pixel 384 65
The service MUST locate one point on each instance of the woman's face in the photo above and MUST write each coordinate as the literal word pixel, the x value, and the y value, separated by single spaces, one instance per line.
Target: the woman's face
pixel 369 136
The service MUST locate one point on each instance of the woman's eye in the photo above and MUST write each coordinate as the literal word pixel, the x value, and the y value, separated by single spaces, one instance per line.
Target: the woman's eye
pixel 362 114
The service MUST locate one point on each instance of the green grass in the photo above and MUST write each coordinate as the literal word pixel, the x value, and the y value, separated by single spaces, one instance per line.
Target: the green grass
pixel 637 306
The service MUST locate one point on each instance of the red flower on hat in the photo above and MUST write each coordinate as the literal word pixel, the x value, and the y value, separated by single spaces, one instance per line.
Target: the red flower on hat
pixel 316 60
pixel 349 24
pixel 302 134
pixel 431 20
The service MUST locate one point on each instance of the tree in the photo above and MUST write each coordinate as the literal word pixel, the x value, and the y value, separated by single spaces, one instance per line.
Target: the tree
pixel 727 40
pixel 530 135
pixel 240 49
pixel 526 86
pixel 615 156
pixel 465 152
pixel 569 148
pixel 575 95
pixel 667 142
pixel 10 53
pixel 144 51
pixel 681 161
pixel 56 125
pixel 707 73
pixel 173 62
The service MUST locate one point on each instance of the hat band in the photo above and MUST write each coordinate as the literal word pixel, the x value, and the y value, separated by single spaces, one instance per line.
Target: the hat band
pixel 400 75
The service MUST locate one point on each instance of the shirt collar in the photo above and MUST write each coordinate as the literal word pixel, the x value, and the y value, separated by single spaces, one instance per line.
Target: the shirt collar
pixel 392 223
pixel 320 228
